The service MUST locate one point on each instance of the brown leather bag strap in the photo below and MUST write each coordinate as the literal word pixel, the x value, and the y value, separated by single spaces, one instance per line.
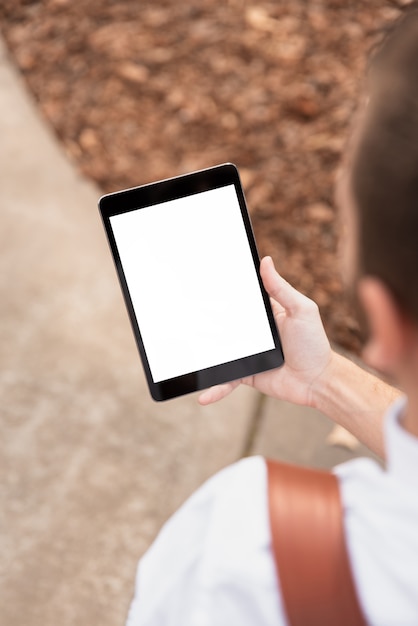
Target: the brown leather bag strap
pixel 309 547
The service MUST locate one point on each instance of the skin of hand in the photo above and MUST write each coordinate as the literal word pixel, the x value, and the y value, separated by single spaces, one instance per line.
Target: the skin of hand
pixel 306 347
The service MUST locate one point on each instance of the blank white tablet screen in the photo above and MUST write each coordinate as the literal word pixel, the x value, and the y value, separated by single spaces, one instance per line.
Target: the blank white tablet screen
pixel 192 282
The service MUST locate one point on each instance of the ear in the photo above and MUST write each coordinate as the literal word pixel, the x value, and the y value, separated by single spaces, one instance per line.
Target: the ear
pixel 388 342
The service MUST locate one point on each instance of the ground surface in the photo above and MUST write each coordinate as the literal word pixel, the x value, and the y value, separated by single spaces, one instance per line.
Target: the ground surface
pixel 138 91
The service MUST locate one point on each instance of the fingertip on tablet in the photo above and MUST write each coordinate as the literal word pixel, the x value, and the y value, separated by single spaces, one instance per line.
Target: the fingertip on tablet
pixel 267 260
pixel 205 398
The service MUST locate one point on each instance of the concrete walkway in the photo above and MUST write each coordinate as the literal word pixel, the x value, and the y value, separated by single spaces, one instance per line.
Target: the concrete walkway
pixel 90 466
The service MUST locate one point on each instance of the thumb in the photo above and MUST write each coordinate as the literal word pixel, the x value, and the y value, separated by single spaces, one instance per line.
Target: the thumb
pixel 213 394
pixel 279 289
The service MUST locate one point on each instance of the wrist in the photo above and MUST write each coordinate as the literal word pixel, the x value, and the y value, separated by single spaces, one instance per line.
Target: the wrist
pixel 322 388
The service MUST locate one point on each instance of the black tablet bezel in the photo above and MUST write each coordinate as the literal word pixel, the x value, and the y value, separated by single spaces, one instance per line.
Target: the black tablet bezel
pixel 164 191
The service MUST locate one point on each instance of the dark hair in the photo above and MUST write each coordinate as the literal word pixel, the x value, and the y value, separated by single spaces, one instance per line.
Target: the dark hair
pixel 384 174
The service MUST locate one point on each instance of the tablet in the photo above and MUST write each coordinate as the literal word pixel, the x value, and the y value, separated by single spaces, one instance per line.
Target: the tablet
pixel 188 266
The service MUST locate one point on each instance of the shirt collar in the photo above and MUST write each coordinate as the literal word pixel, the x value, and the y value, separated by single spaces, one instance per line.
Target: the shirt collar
pixel 401 446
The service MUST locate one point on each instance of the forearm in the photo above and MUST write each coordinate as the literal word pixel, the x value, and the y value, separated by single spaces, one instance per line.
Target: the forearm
pixel 355 399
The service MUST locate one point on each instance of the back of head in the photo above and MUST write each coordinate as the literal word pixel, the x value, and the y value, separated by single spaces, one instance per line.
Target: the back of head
pixel 384 174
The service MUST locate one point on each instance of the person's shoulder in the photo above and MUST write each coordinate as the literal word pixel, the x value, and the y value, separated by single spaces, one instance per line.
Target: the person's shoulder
pixel 237 480
pixel 242 473
pixel 238 501
pixel 228 494
pixel 227 497
pixel 242 469
pixel 219 539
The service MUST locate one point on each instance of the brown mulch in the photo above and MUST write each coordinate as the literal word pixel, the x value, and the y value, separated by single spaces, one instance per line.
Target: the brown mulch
pixel 138 91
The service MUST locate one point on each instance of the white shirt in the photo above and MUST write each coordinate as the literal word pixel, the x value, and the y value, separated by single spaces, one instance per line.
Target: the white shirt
pixel 212 564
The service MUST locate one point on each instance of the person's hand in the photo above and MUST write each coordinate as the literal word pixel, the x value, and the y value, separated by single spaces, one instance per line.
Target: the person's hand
pixel 306 347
